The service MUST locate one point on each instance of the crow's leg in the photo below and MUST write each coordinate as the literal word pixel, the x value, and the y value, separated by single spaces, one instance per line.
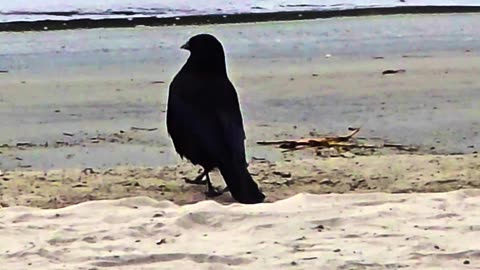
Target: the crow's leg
pixel 212 191
pixel 199 179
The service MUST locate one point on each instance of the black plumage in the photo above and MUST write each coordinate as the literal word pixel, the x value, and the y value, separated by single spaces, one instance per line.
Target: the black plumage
pixel 204 118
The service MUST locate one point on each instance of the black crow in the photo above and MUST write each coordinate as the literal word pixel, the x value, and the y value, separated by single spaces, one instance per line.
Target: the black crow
pixel 204 118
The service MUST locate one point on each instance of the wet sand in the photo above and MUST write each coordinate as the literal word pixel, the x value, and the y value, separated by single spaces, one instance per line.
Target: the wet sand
pixel 83 98
pixel 82 120
pixel 293 79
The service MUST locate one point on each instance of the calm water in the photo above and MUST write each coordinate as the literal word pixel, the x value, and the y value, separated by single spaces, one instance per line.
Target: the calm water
pixel 33 10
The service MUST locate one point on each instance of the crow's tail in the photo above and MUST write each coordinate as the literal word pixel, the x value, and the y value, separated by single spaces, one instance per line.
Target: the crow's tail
pixel 241 184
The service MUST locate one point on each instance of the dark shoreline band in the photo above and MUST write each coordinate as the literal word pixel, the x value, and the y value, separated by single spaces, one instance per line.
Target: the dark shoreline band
pixel 49 25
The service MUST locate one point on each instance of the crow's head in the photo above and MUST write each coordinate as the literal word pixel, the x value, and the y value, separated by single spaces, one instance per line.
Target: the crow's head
pixel 203 44
pixel 206 53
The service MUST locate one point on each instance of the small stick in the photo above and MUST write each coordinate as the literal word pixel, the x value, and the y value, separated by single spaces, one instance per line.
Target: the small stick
pixel 144 129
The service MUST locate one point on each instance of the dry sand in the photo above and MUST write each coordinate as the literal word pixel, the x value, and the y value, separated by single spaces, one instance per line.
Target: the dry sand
pixel 70 99
pixel 369 231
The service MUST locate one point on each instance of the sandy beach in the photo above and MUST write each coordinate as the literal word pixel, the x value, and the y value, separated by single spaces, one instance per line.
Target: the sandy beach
pixel 82 116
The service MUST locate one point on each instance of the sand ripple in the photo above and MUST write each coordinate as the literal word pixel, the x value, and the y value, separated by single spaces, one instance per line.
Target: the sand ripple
pixel 352 231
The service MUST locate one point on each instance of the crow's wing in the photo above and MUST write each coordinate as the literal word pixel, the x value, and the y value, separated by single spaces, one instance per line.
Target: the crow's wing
pixel 204 118
pixel 230 118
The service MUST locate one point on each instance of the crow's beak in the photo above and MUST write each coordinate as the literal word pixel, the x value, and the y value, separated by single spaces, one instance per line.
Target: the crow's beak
pixel 185 46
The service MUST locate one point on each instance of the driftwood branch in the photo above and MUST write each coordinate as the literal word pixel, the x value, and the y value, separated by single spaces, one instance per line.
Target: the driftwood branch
pixel 339 141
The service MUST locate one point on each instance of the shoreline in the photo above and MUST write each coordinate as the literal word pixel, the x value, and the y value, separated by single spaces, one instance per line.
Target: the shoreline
pixel 52 25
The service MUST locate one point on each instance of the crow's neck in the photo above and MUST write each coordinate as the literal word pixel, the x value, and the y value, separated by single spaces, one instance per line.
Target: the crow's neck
pixel 215 64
